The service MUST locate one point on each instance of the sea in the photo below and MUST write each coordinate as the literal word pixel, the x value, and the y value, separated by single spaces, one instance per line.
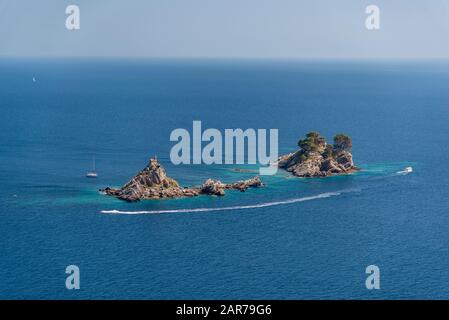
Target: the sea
pixel 292 239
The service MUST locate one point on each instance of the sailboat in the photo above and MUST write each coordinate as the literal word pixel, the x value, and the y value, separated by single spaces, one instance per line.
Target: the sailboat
pixel 93 173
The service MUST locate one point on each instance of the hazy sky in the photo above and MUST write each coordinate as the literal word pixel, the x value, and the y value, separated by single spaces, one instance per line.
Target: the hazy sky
pixel 226 28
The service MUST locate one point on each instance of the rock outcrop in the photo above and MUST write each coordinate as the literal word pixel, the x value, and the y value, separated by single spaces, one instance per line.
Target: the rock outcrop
pixel 153 183
pixel 316 158
pixel 216 187
pixel 150 183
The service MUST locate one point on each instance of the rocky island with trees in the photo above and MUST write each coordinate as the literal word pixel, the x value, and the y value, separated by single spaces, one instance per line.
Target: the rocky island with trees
pixel 316 158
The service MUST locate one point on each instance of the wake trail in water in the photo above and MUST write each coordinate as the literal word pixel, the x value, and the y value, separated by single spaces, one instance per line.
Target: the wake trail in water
pixel 254 206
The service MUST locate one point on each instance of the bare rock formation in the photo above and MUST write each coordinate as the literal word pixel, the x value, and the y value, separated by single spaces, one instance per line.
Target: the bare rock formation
pixel 153 183
pixel 216 187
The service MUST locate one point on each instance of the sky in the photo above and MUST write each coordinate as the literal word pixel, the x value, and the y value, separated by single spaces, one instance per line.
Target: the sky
pixel 292 29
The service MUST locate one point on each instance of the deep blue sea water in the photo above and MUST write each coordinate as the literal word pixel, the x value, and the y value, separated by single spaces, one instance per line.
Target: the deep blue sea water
pixel 122 112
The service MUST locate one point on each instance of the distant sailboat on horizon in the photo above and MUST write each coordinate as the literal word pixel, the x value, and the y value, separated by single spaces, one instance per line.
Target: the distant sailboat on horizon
pixel 93 173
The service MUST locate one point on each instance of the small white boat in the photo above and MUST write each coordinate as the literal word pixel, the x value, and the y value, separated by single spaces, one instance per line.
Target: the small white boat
pixel 406 170
pixel 93 173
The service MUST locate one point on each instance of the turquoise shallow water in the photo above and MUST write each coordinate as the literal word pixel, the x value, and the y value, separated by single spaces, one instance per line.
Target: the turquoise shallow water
pixel 294 238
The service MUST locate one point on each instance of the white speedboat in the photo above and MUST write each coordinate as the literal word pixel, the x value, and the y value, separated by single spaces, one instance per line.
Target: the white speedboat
pixel 406 170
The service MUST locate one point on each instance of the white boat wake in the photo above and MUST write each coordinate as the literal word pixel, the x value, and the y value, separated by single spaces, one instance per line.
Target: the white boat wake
pixel 254 206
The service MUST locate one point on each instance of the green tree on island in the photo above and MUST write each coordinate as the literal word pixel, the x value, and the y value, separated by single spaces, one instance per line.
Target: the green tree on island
pixel 313 142
pixel 342 142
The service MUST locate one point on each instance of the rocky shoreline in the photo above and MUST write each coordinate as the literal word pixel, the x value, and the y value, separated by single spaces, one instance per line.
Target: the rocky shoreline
pixel 316 158
pixel 153 183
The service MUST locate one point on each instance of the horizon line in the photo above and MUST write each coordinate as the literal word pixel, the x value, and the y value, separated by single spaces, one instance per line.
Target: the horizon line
pixel 233 58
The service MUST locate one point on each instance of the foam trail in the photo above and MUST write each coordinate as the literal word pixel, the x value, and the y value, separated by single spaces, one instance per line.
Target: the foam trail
pixel 254 206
